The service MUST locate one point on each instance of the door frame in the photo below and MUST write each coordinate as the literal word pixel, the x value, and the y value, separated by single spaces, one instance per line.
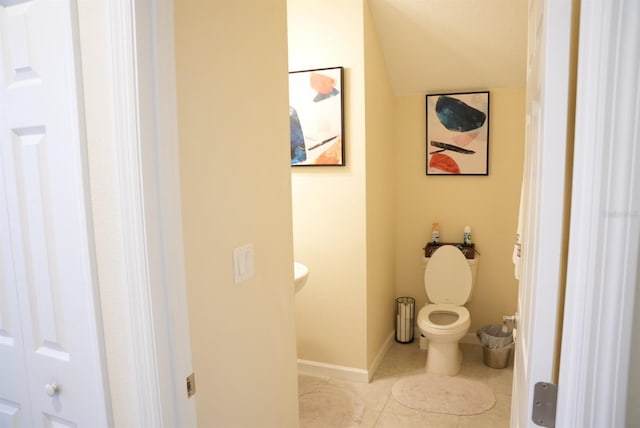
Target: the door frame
pixel 595 357
pixel 544 202
pixel 147 148
pixel 604 243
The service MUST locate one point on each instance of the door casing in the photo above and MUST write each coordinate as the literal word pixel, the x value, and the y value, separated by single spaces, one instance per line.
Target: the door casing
pixel 134 101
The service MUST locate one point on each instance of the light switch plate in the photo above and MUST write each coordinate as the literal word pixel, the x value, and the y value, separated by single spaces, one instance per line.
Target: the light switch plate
pixel 243 268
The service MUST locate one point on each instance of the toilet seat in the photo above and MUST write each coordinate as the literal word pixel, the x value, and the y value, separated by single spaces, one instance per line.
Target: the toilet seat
pixel 447 277
pixel 425 323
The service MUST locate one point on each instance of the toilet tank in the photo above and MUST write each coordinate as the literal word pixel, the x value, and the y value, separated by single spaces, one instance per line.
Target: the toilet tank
pixel 473 264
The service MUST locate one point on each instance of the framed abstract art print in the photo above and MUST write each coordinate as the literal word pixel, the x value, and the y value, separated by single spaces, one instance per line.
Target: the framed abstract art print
pixel 315 117
pixel 458 134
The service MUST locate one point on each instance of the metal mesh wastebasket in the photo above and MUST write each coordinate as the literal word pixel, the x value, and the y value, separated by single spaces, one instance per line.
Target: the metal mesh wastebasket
pixel 497 342
pixel 405 314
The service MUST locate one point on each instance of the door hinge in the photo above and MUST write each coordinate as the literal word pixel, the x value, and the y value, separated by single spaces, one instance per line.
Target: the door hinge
pixel 191 385
pixel 544 404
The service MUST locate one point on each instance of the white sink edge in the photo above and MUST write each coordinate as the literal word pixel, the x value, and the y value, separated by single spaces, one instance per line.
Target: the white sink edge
pixel 300 275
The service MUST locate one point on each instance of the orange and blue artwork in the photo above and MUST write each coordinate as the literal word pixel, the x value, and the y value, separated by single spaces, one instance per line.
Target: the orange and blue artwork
pixel 315 117
pixel 457 134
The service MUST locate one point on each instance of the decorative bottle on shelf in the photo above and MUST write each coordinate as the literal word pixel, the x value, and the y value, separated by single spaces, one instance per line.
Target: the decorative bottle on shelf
pixel 435 235
pixel 467 236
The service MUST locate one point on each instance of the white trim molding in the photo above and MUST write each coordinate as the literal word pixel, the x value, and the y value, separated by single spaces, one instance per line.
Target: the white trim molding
pixel 471 339
pixel 147 147
pixel 383 350
pixel 127 135
pixel 605 221
pixel 315 368
pixel 163 213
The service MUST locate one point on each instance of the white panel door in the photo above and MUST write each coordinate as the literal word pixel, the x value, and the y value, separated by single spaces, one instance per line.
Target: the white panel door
pixel 543 202
pixel 50 342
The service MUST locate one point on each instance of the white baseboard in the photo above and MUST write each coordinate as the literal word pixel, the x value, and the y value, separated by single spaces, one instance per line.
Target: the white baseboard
pixel 378 359
pixel 471 339
pixel 315 368
pixel 335 371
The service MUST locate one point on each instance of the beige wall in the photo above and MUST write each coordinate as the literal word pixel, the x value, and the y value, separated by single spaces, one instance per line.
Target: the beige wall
pixel 489 204
pixel 329 203
pixel 380 193
pixel 231 61
pixel 231 172
pixel 343 217
pixel 352 275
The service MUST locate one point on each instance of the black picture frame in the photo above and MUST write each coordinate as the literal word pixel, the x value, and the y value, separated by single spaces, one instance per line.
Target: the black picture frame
pixel 457 137
pixel 316 112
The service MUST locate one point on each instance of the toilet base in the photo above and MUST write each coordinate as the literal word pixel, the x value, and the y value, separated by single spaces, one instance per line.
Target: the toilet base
pixel 444 358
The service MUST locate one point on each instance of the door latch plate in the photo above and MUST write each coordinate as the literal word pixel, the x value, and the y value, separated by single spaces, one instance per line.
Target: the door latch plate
pixel 191 385
pixel 544 404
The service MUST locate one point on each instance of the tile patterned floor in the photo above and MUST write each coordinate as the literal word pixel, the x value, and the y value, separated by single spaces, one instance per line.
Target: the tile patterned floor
pixel 383 411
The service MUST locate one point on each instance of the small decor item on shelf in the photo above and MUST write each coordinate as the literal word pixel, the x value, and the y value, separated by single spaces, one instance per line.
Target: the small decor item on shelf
pixel 467 236
pixel 435 234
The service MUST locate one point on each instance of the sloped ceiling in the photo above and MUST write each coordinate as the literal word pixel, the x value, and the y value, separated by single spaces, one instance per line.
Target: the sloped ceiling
pixel 452 45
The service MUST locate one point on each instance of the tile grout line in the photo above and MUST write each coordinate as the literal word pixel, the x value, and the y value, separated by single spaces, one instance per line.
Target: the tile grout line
pixel 375 424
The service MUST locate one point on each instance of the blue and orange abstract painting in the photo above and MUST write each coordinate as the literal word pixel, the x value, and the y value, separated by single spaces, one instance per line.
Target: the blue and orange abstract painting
pixel 458 134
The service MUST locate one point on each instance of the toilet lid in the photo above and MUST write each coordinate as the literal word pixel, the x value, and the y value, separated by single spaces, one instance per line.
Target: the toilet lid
pixel 447 277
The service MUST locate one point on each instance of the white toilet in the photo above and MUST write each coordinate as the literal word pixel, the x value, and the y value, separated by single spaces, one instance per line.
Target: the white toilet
pixel 449 278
